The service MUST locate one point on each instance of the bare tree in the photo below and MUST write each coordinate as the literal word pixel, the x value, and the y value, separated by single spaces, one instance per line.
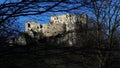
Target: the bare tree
pixel 32 7
pixel 15 9
pixel 107 17
pixel 106 14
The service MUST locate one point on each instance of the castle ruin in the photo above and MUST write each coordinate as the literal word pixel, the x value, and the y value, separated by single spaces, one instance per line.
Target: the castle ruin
pixel 64 25
pixel 57 24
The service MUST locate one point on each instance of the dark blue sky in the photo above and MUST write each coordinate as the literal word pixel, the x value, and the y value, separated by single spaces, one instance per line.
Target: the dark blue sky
pixel 45 17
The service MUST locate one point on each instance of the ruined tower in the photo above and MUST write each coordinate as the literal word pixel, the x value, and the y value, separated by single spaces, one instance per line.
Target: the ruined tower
pixel 32 27
pixel 66 19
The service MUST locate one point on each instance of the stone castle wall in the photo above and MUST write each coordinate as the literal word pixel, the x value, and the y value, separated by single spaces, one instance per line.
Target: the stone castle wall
pixel 63 25
pixel 57 24
pixel 49 30
pixel 67 19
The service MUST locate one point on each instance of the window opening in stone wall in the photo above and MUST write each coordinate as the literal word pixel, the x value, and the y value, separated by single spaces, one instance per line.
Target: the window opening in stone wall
pixel 55 21
pixel 66 16
pixel 54 27
pixel 40 26
pixel 37 27
pixel 56 17
pixel 28 25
